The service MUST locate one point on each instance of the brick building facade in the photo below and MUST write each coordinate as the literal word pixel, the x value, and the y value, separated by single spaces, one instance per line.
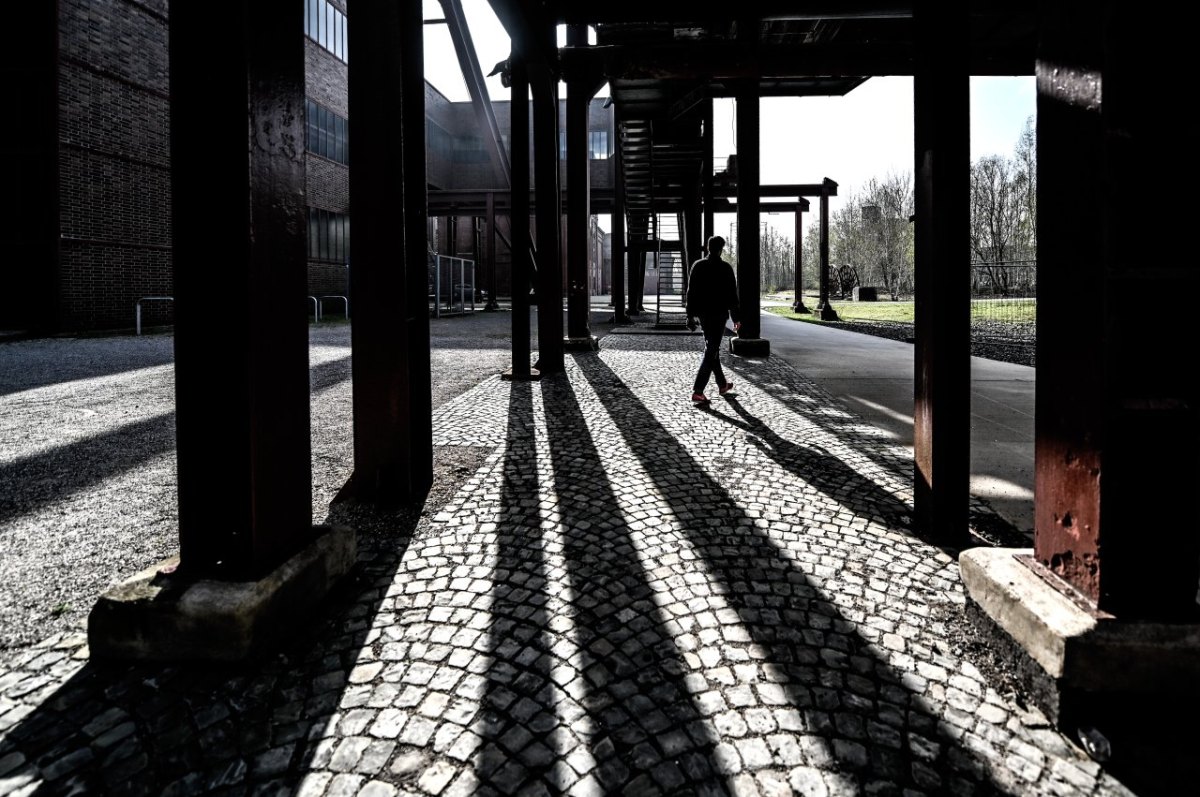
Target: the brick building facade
pixel 92 211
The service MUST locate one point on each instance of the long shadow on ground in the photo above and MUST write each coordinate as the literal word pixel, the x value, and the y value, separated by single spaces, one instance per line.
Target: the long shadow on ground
pixel 863 713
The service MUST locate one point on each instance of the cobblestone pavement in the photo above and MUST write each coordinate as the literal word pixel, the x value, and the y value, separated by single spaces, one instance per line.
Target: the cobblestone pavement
pixel 628 596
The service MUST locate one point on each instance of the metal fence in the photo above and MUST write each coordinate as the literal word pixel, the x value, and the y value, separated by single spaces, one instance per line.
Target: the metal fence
pixel 1004 297
pixel 451 285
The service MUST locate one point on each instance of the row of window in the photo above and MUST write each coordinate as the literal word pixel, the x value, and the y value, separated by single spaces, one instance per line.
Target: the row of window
pixel 325 25
pixel 328 235
pixel 326 134
pixel 597 145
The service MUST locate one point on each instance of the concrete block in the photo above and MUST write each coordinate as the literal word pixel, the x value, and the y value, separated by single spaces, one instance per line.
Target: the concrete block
pixel 750 347
pixel 1078 650
pixel 161 615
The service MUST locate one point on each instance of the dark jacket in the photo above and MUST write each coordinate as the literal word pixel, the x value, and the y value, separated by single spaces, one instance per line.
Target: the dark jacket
pixel 712 290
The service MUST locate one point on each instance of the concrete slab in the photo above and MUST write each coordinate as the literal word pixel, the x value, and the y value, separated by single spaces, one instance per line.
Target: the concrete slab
pixel 1080 651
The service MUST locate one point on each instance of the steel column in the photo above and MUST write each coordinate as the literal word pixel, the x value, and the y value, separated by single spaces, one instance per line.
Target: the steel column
pixel 941 432
pixel 798 304
pixel 519 218
pixel 579 95
pixel 619 251
pixel 1117 427
pixel 393 449
pixel 749 340
pixel 544 82
pixel 238 189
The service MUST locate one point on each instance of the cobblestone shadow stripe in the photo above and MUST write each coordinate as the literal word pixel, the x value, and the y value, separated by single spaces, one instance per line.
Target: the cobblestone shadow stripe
pixel 843 637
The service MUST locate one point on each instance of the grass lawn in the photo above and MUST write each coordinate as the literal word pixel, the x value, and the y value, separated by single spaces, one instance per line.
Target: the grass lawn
pixel 1020 311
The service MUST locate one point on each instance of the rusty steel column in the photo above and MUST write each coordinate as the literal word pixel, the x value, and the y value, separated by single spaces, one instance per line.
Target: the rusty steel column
pixel 241 386
pixel 1116 421
pixel 707 174
pixel 522 253
pixel 618 239
pixel 748 341
pixel 941 433
pixel 579 96
pixel 798 305
pixel 544 81
pixel 489 247
pixel 393 450
pixel 691 225
pixel 824 309
pixel 637 278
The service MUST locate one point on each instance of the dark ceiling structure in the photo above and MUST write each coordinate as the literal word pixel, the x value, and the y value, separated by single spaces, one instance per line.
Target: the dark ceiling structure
pixel 664 63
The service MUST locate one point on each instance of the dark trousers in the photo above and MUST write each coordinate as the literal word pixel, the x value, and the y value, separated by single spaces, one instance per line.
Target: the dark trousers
pixel 714 333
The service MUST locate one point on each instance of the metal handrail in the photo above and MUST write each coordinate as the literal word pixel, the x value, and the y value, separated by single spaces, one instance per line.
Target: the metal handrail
pixel 137 308
pixel 345 304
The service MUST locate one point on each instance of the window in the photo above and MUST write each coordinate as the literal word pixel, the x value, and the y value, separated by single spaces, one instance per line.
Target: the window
pixel 328 235
pixel 469 149
pixel 438 140
pixel 327 26
pixel 326 133
pixel 598 145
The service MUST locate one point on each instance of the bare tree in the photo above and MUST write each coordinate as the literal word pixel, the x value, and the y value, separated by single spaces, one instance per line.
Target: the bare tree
pixel 997 223
pixel 1026 176
pixel 871 237
pixel 889 234
pixel 778 262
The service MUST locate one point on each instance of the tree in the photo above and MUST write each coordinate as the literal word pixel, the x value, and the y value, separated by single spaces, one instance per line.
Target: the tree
pixel 889 234
pixel 1003 214
pixel 1026 175
pixel 778 261
pixel 871 237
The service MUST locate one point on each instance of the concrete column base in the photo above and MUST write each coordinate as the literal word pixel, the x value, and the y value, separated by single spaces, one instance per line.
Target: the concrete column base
pixel 533 376
pixel 589 343
pixel 160 615
pixel 1073 657
pixel 800 307
pixel 826 312
pixel 750 347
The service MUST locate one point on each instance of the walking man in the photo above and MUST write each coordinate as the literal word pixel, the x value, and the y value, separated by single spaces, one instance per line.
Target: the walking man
pixel 712 298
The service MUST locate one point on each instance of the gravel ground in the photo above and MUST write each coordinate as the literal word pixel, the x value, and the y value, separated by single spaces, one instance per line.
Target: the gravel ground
pixel 1009 343
pixel 87 472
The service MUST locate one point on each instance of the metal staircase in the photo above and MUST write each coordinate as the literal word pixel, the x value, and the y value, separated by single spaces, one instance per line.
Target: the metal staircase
pixel 672 272
pixel 638 165
pixel 653 220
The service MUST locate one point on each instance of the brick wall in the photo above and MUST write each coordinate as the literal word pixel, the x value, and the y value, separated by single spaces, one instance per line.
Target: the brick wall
pixel 113 156
pixel 327 182
pixel 114 162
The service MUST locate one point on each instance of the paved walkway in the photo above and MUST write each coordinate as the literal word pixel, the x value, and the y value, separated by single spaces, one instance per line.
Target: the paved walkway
pixel 630 596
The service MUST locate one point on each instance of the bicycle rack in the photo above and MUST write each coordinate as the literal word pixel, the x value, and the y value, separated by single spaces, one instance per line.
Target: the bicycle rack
pixel 137 308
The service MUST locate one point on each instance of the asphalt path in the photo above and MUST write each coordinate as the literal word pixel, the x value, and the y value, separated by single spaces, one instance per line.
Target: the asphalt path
pixel 874 377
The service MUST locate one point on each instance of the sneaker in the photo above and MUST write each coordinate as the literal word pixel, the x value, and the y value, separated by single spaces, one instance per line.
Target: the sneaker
pixel 728 387
pixel 699 398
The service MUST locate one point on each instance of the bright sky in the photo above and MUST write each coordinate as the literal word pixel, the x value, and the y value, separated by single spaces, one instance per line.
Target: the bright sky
pixel 867 133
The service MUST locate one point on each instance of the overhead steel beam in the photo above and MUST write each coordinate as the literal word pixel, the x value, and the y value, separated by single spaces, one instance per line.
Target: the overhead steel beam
pixel 827 188
pixel 716 61
pixel 691 12
pixel 468 62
